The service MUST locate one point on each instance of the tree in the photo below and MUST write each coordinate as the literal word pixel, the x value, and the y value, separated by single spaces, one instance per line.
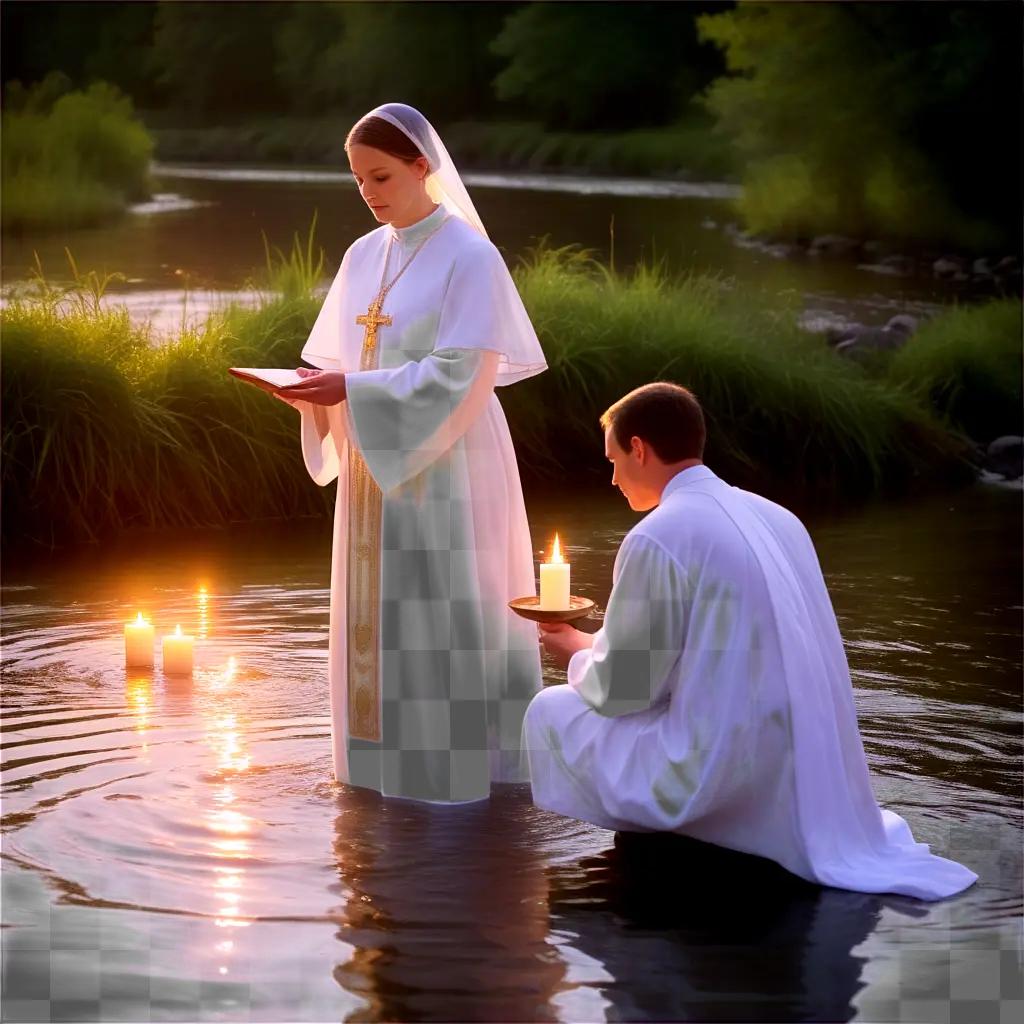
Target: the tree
pixel 312 61
pixel 607 66
pixel 872 118
pixel 434 56
pixel 86 41
pixel 217 56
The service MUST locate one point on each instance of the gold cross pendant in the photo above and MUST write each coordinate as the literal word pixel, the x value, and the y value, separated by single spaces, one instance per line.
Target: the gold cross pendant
pixel 371 320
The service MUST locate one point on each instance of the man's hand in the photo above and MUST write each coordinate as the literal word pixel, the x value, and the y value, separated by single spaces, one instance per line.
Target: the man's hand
pixel 320 387
pixel 562 641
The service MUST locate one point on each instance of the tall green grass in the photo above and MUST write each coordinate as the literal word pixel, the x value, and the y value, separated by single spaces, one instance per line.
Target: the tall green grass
pixel 967 365
pixel 72 161
pixel 105 429
pixel 785 415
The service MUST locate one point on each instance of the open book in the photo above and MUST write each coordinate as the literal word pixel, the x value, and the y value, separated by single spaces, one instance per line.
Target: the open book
pixel 266 378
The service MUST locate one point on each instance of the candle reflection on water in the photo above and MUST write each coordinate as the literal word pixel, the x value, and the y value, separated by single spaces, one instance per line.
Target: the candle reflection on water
pixel 203 601
pixel 232 830
pixel 139 699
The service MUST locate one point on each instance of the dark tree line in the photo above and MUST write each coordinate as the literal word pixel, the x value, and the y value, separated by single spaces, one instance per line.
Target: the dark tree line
pixel 858 116
pixel 573 65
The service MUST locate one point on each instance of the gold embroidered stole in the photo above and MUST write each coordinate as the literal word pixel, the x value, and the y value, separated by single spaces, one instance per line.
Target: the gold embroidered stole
pixel 364 536
pixel 364 568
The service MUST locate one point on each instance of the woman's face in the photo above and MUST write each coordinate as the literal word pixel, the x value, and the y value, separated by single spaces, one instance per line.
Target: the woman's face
pixel 394 190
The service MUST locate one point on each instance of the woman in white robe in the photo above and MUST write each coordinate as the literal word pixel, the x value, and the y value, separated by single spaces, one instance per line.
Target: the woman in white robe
pixel 429 671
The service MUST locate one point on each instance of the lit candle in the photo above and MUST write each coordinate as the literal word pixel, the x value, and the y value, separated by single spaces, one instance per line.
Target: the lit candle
pixel 177 653
pixel 138 643
pixel 554 581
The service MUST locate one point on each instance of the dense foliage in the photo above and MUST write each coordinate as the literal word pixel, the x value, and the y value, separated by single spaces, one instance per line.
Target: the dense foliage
pixel 107 427
pixel 895 120
pixel 874 119
pixel 70 158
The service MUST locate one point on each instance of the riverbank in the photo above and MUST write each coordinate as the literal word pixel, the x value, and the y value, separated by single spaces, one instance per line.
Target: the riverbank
pixel 688 150
pixel 107 431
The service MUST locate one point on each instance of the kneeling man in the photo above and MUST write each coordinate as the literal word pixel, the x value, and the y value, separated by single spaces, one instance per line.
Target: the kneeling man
pixel 716 700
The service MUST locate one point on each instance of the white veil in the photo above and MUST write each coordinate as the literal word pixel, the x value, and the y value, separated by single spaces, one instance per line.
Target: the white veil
pixel 443 184
pixel 485 312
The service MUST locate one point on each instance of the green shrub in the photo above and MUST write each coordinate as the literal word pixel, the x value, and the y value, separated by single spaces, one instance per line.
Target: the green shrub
pixel 967 365
pixel 74 160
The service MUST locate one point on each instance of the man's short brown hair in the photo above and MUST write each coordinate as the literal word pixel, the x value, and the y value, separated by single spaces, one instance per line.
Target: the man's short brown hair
pixel 668 417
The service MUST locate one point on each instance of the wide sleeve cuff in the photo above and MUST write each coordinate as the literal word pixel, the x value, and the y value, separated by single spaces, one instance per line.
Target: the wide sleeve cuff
pixel 404 419
pixel 321 452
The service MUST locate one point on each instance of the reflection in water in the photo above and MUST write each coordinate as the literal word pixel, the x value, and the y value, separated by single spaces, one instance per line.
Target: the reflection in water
pixel 446 909
pixel 203 600
pixel 724 935
pixel 194 822
pixel 231 830
pixel 138 699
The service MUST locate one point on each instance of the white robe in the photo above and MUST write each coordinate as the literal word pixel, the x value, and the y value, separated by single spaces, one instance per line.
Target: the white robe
pixel 457 668
pixel 716 701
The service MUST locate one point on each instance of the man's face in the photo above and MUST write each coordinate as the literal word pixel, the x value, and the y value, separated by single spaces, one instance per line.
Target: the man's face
pixel 628 472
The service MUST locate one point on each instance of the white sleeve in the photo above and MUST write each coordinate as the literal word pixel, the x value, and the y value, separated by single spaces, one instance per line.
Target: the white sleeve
pixel 482 309
pixel 630 665
pixel 405 418
pixel 323 451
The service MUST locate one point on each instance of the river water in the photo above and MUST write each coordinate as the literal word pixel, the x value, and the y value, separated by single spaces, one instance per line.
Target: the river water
pixel 199 242
pixel 178 849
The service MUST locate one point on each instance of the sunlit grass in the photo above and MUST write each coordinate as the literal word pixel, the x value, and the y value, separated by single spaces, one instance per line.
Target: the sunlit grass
pixel 784 413
pixel 107 428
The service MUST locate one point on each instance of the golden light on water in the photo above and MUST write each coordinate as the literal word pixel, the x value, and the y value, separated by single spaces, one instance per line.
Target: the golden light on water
pixel 225 678
pixel 231 847
pixel 230 822
pixel 139 697
pixel 203 599
pixel 232 756
pixel 227 920
pixel 231 831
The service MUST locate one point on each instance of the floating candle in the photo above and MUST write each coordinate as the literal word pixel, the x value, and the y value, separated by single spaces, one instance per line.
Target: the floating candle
pixel 177 653
pixel 138 643
pixel 554 581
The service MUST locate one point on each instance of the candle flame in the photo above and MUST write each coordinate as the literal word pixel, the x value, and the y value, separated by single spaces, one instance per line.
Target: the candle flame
pixel 556 552
pixel 139 620
pixel 177 630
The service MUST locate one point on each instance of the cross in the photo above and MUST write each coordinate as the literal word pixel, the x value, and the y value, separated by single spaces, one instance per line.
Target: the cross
pixel 371 320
